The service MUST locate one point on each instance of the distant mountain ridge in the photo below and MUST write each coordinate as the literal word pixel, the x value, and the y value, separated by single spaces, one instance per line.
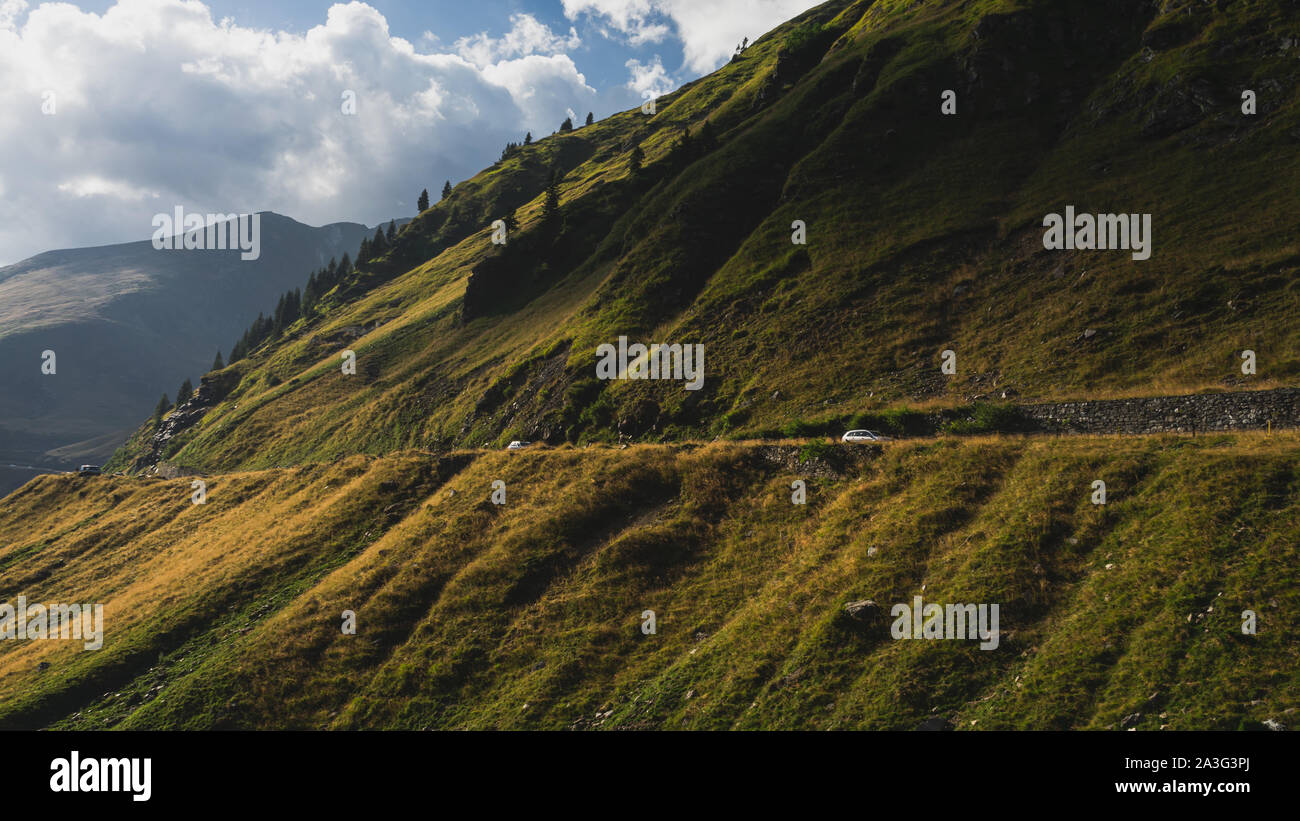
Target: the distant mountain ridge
pixel 127 323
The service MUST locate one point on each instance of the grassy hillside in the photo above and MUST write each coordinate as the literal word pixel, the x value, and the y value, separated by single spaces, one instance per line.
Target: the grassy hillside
pixel 528 614
pixel 923 234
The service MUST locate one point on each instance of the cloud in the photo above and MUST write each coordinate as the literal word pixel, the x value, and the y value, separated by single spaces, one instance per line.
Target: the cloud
pixel 154 104
pixel 10 11
pixel 95 186
pixel 634 18
pixel 649 80
pixel 709 29
pixel 527 35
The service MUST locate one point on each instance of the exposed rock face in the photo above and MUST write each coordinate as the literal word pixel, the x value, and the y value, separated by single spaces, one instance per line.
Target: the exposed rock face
pixel 865 611
pixel 212 389
pixel 1171 414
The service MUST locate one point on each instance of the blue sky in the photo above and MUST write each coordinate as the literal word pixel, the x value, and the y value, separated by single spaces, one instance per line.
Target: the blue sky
pixel 118 110
pixel 601 58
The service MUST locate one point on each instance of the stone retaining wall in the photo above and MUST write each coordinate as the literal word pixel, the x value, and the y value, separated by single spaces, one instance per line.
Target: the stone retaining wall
pixel 1170 414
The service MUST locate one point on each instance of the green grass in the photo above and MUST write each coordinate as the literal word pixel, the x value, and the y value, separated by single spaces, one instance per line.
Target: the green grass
pixel 528 615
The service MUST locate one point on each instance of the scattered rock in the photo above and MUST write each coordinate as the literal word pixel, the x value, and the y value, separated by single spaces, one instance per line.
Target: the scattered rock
pixel 865 611
pixel 1274 725
pixel 934 724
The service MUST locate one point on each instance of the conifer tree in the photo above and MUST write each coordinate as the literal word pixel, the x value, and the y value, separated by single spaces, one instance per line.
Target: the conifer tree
pixel 161 409
pixel 446 189
pixel 277 321
pixel 708 139
pixel 218 364
pixel 566 126
pixel 423 202
pixel 551 203
pixel 183 395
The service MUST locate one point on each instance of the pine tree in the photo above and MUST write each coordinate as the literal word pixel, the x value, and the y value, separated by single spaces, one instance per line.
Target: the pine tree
pixel 217 364
pixel 566 126
pixel 391 236
pixel 528 138
pixel 345 266
pixel 423 202
pixel 310 294
pixel 590 118
pixel 161 409
pixel 277 321
pixel 446 189
pixel 634 162
pixel 683 148
pixel 708 139
pixel 551 204
pixel 511 221
pixel 186 391
pixel 363 253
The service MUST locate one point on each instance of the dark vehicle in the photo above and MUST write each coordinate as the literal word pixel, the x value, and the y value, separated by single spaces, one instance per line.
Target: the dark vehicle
pixel 88 470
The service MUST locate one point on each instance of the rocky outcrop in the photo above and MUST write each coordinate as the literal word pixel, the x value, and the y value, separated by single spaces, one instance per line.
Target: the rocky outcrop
pixel 1245 410
pixel 212 389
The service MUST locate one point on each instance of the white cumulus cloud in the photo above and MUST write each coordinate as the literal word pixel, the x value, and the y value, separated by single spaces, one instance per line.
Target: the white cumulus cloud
pixel 649 80
pixel 527 35
pixel 154 104
pixel 709 30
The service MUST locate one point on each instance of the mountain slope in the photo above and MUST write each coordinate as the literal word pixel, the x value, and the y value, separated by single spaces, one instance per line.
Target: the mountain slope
pixel 924 234
pixel 471 614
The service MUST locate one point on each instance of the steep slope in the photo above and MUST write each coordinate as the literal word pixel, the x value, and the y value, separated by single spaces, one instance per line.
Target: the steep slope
pixel 924 234
pixel 128 323
pixel 471 614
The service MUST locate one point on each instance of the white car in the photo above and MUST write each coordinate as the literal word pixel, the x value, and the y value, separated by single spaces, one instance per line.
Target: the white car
pixel 863 436
pixel 517 445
